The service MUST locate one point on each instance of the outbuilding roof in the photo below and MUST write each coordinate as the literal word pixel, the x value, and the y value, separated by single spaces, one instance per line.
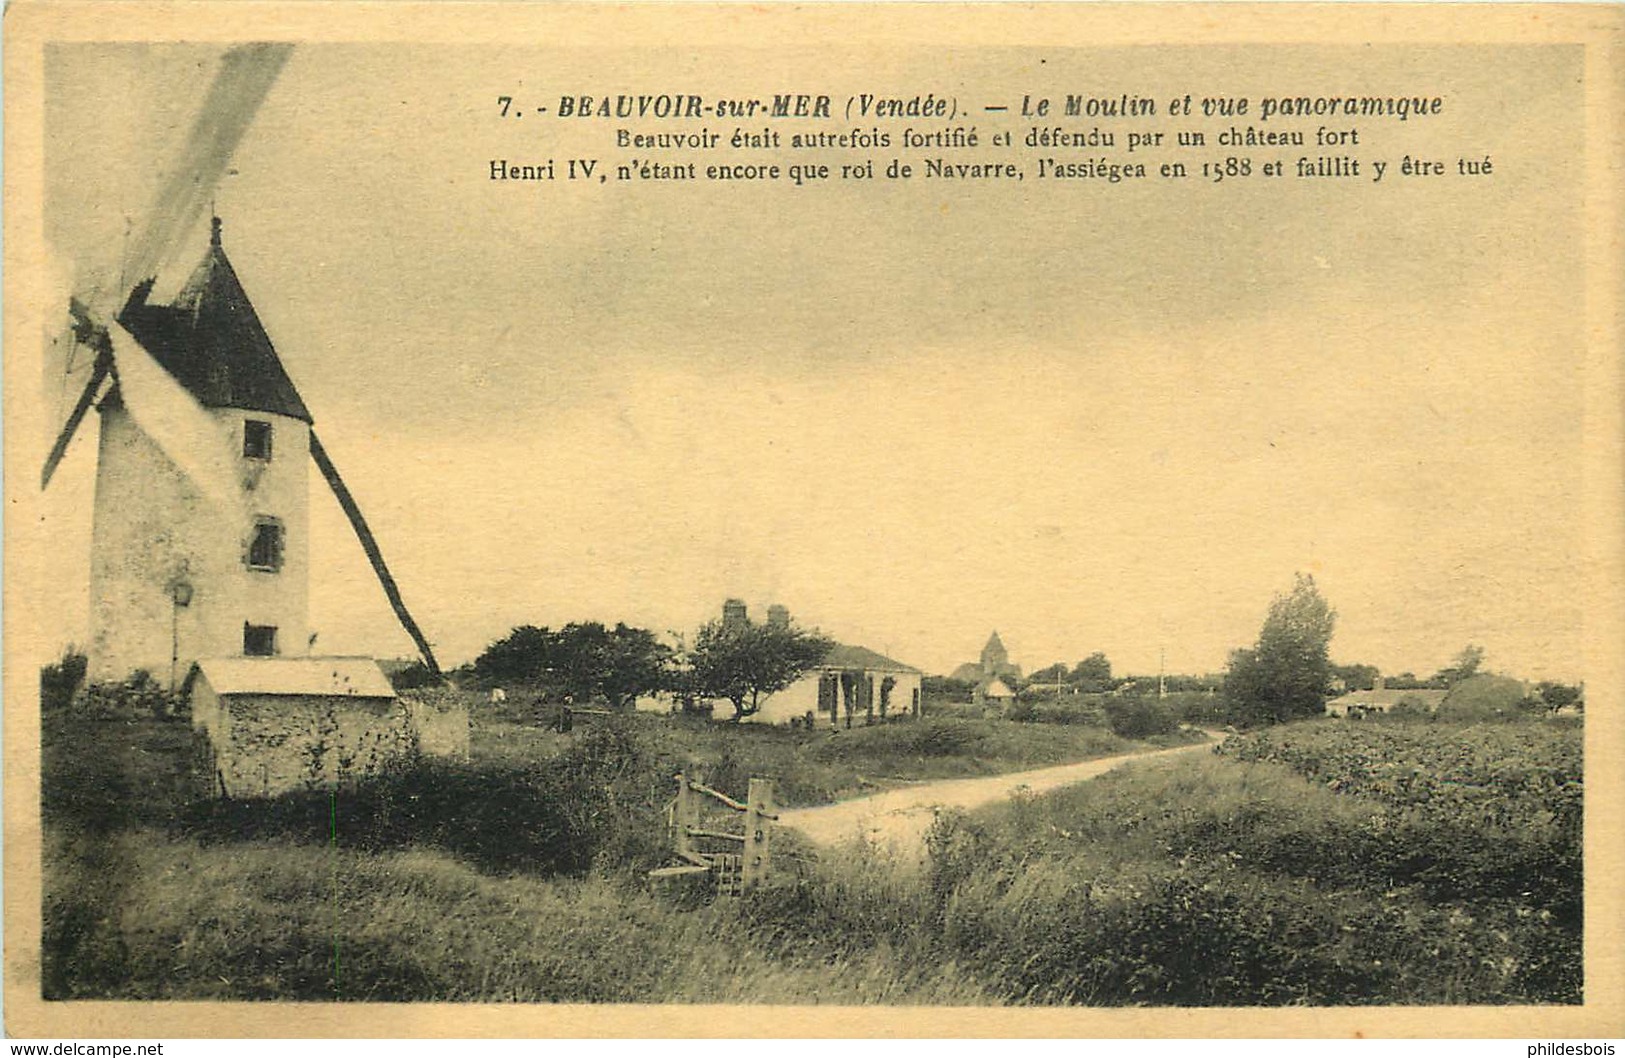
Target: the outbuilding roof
pixel 337 677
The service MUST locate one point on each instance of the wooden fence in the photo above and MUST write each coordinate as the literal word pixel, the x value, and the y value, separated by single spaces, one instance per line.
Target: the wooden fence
pixel 736 872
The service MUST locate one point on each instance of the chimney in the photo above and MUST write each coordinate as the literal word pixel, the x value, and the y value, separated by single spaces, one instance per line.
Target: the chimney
pixel 778 616
pixel 734 614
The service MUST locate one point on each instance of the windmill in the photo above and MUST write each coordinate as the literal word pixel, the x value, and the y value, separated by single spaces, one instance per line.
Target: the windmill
pixel 199 541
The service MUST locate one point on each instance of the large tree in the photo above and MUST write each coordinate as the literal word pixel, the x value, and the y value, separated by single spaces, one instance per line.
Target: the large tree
pixel 588 661
pixel 746 662
pixel 582 661
pixel 1094 673
pixel 518 656
pixel 1285 674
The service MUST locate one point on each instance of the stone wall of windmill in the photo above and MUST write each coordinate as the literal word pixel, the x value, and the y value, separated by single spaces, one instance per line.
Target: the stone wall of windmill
pixel 178 575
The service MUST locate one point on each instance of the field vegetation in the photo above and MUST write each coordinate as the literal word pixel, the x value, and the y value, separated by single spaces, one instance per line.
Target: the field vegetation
pixel 1310 863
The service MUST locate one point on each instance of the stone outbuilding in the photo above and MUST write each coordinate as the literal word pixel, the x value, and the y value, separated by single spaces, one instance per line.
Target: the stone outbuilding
pixel 276 725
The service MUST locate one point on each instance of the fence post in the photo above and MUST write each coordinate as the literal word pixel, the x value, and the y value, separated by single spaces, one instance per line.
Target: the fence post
pixel 758 810
pixel 684 815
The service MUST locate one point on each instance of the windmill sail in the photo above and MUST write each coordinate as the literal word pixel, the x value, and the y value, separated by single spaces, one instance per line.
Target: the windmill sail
pixel 194 440
pixel 240 86
pixel 375 556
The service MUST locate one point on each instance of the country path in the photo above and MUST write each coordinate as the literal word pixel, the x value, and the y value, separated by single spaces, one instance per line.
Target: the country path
pixel 900 818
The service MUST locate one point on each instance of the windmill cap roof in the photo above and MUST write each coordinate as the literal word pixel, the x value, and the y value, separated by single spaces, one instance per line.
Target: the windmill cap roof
pixel 211 340
pixel 339 677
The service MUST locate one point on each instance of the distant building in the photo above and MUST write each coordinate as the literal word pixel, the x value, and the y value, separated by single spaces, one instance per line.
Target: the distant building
pixel 994 692
pixel 993 668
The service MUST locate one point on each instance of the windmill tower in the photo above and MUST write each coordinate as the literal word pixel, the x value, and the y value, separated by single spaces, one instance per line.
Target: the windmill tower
pixel 200 530
pixel 183 568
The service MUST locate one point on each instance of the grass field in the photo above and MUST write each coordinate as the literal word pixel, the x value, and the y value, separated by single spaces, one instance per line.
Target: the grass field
pixel 1237 878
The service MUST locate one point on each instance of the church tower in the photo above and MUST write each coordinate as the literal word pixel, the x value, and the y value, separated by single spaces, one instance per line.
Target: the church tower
pixel 995 659
pixel 200 545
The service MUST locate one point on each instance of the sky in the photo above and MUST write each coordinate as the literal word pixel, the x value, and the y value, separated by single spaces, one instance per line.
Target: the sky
pixel 1091 417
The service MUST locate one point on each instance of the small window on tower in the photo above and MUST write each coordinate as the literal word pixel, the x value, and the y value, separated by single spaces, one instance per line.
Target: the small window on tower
pixel 256 439
pixel 265 550
pixel 259 641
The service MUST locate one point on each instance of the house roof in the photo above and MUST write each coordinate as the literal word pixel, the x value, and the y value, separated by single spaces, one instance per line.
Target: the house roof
pixel 211 340
pixel 997 688
pixel 342 677
pixel 841 656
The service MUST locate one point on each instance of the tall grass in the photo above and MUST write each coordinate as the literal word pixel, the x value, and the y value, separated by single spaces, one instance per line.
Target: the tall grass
pixel 263 920
pixel 1208 883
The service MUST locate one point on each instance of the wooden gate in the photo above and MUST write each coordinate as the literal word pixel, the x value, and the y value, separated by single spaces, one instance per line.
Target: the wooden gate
pixel 736 872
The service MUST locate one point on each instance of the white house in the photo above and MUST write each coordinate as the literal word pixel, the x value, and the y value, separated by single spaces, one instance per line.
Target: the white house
pixel 852 685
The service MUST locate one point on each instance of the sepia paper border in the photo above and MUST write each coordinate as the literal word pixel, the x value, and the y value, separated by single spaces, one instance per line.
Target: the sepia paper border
pixel 30 24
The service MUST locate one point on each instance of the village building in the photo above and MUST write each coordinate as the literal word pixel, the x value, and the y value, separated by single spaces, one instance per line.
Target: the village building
pixel 992 675
pixel 994 692
pixel 851 685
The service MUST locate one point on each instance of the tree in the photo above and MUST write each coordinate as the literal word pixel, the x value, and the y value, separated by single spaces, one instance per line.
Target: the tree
pixel 1554 696
pixel 588 661
pixel 744 663
pixel 1056 673
pixel 1284 676
pixel 1482 697
pixel 519 656
pixel 1094 673
pixel 1357 677
pixel 582 661
pixel 1464 667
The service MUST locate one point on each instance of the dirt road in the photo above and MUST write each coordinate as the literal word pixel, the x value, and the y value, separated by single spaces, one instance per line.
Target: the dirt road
pixel 900 818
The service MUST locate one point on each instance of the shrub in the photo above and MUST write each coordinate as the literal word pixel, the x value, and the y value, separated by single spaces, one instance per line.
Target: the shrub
pixel 1140 717
pixel 597 803
pixel 59 680
pixel 1482 698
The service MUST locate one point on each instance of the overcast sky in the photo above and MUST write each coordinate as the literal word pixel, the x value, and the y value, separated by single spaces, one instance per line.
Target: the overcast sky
pixel 1092 417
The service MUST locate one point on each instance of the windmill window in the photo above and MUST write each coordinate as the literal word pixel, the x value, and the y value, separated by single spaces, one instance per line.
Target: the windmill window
pixel 256 439
pixel 259 641
pixel 265 549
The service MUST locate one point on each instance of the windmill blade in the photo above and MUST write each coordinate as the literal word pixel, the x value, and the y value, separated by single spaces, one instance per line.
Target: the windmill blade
pixel 86 331
pixel 369 544
pixel 240 86
pixel 102 369
pixel 245 77
pixel 181 428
